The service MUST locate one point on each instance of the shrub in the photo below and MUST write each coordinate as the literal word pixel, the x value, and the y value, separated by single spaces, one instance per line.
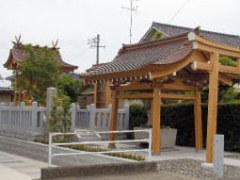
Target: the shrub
pixel 138 115
pixel 181 117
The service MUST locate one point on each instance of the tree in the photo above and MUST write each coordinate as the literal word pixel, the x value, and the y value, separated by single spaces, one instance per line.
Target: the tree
pixel 60 115
pixel 225 93
pixel 38 72
pixel 69 86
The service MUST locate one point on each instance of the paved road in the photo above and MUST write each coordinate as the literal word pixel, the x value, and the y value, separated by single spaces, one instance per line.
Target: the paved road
pixel 14 167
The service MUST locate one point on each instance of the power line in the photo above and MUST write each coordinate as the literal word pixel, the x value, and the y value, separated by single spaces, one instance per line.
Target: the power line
pixel 178 11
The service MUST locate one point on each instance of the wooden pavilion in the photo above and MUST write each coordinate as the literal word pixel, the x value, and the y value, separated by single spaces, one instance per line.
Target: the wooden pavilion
pixel 167 69
pixel 18 54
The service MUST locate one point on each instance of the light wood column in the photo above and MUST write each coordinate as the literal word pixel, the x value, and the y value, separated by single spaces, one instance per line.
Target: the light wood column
pixel 238 62
pixel 95 94
pixel 156 118
pixel 113 123
pixel 198 119
pixel 212 105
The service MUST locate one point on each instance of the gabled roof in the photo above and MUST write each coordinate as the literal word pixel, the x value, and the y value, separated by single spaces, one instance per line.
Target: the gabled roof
pixel 18 54
pixel 132 58
pixel 172 30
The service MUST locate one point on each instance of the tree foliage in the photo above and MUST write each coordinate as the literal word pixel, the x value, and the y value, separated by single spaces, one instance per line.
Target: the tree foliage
pixel 38 72
pixel 60 115
pixel 69 86
pixel 225 93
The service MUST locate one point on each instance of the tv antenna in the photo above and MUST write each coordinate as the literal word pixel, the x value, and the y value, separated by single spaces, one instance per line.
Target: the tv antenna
pixel 95 43
pixel 131 9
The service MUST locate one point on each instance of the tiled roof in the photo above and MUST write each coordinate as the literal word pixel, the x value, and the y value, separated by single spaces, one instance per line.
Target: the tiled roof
pixel 18 54
pixel 142 55
pixel 172 30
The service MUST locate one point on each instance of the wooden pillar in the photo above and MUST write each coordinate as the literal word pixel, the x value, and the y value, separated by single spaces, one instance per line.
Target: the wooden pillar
pixel 95 94
pixel 238 62
pixel 212 105
pixel 156 119
pixel 113 123
pixel 198 119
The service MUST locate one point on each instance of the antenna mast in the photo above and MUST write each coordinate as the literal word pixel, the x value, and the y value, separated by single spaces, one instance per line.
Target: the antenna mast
pixel 131 9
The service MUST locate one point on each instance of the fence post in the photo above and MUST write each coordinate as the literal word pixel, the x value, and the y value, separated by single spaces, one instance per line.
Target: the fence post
pixel 51 93
pixel 34 115
pixel 21 124
pixel 109 116
pixel 73 110
pixel 92 116
pixel 126 120
pixel 1 123
pixel 9 119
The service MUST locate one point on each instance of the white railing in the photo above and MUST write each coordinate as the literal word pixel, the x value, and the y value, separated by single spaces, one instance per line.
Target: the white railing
pixel 98 142
pixel 98 118
pixel 25 119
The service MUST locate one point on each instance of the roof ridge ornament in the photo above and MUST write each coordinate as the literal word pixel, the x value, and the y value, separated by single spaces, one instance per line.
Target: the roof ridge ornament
pixel 17 41
pixel 55 44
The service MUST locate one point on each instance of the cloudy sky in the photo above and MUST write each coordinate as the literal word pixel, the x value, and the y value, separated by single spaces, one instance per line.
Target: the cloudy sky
pixel 73 22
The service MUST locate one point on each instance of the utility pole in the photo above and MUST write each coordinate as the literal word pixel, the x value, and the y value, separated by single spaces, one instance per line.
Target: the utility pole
pixel 95 43
pixel 132 9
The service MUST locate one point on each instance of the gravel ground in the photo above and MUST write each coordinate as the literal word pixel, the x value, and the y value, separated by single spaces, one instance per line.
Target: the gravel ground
pixel 192 168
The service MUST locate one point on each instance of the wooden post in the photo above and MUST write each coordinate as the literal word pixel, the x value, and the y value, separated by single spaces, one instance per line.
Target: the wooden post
pixel 238 63
pixel 113 123
pixel 156 116
pixel 212 105
pixel 198 119
pixel 95 94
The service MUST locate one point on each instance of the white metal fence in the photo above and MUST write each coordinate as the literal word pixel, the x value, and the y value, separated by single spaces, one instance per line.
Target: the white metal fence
pixel 98 142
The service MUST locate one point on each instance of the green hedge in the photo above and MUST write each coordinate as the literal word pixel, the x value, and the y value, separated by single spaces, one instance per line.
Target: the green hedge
pixel 181 117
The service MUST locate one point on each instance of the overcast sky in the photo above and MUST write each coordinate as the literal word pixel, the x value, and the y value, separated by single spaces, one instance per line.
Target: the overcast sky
pixel 73 22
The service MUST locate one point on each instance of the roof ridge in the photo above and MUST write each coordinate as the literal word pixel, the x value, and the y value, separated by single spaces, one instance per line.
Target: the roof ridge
pixel 188 28
pixel 154 42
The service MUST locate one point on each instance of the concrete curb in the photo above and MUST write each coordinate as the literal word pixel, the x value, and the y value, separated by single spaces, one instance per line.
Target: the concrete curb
pixel 96 170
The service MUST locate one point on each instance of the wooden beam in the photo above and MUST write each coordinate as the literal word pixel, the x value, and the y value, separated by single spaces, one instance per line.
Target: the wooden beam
pixel 225 80
pixel 222 68
pixel 201 66
pixel 135 96
pixel 198 120
pixel 212 106
pixel 176 96
pixel 156 119
pixel 177 87
pixel 229 69
pixel 211 49
pixel 113 123
pixel 139 86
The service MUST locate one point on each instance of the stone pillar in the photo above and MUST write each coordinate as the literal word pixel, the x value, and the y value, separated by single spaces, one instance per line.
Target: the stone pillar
pixel 51 93
pixel 73 110
pixel 218 167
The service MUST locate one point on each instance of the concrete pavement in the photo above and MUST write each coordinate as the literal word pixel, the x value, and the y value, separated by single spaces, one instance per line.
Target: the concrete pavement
pixel 14 167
